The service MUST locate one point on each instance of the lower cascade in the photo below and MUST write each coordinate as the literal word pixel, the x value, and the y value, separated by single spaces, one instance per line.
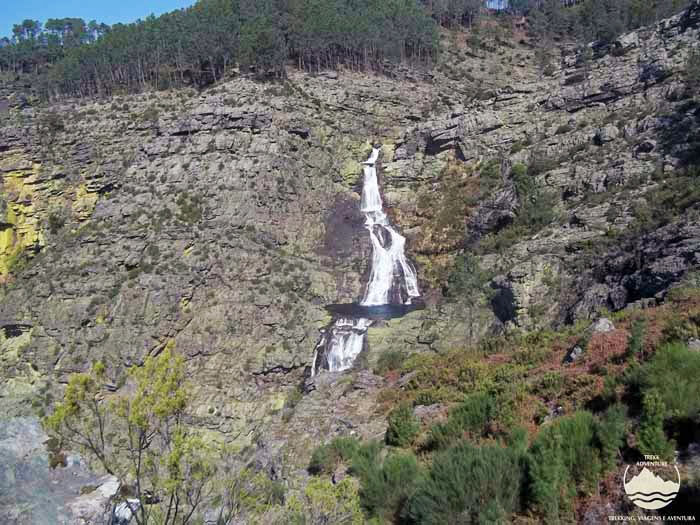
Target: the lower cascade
pixel 392 281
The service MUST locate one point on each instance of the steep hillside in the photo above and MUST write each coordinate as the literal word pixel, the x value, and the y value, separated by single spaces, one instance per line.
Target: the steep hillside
pixel 222 222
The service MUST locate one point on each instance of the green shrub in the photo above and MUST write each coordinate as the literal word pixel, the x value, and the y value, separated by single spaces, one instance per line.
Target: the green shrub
pixel 536 206
pixel 491 171
pixel 540 163
pixel 56 221
pixel 518 171
pixel 150 115
pixel 470 418
pixel 563 455
pixel 190 208
pixel 537 212
pixel 550 384
pixel 385 485
pixel 673 373
pixel 635 342
pixel 523 181
pixel 323 502
pixel 610 433
pixel 679 329
pixel 462 479
pixel 52 122
pixel 467 279
pixel 326 458
pixel 651 437
pixel 403 427
pixel 390 360
pixel 667 201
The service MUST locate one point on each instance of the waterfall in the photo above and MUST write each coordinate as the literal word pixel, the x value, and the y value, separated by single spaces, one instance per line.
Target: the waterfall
pixel 392 280
pixel 340 345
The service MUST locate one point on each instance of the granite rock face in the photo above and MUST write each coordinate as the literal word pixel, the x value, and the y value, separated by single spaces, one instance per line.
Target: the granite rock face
pixel 223 221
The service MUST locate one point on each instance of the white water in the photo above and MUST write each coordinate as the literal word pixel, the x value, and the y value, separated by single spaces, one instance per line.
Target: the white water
pixel 389 265
pixel 343 344
pixel 391 277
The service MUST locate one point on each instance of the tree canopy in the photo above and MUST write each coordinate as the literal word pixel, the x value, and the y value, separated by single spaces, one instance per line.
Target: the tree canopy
pixel 200 44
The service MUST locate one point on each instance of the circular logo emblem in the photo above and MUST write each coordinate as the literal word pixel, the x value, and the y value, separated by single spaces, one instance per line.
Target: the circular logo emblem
pixel 652 485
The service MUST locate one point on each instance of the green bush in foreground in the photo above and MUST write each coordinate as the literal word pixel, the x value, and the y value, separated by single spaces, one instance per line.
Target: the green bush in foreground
pixel 469 484
pixel 140 438
pixel 571 453
pixel 651 436
pixel 609 434
pixel 673 372
pixel 469 418
pixel 403 427
pixel 385 485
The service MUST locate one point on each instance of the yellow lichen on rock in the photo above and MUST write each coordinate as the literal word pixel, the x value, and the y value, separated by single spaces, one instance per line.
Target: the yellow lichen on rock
pixel 350 171
pixel 185 304
pixel 20 229
pixel 21 232
pixel 388 150
pixel 356 153
pixel 84 203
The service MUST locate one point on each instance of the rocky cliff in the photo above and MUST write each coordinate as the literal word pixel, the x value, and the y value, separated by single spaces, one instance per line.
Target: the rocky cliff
pixel 222 222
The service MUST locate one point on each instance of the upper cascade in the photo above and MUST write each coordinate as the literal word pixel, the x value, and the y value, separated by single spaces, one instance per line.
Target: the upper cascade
pixel 392 279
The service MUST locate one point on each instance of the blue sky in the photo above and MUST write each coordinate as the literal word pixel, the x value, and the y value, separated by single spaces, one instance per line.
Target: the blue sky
pixel 107 11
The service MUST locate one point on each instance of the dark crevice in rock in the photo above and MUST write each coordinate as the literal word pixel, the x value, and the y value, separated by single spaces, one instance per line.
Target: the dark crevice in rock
pixel 459 153
pixel 15 330
pixel 436 146
pixel 279 369
pixel 304 133
pixel 490 129
pixel 503 302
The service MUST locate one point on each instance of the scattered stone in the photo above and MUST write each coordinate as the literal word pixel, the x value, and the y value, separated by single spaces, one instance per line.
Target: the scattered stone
pixel 406 378
pixel 602 326
pixel 122 512
pixel 340 474
pixel 573 354
pixel 694 344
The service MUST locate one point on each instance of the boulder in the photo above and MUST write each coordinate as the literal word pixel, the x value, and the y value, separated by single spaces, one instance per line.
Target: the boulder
pixel 92 506
pixel 626 43
pixel 573 355
pixel 602 326
pixel 606 134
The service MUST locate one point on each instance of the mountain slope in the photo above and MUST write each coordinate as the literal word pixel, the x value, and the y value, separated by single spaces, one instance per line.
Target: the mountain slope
pixel 222 222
